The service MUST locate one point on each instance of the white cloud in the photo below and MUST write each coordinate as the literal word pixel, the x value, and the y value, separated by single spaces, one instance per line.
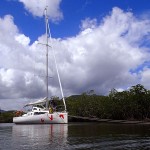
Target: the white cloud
pixel 88 23
pixel 16 63
pixel 145 77
pixel 22 39
pixel 36 7
pixel 100 57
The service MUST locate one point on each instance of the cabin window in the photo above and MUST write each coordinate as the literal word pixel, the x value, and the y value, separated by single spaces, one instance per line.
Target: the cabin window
pixel 42 112
pixel 34 109
pixel 36 113
pixel 39 113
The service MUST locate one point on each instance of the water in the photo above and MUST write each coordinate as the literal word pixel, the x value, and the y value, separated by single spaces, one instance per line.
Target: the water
pixel 75 136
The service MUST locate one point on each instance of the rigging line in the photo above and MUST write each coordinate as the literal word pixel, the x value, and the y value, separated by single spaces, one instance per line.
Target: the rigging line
pixel 57 68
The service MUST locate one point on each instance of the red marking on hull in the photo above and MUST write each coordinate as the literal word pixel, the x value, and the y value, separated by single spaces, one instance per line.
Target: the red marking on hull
pixel 51 117
pixel 61 116
pixel 42 120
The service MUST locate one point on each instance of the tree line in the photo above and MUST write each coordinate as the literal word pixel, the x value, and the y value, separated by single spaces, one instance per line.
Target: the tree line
pixel 6 116
pixel 132 104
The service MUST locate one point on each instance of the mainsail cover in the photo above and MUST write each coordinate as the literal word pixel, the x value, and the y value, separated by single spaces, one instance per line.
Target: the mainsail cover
pixel 38 102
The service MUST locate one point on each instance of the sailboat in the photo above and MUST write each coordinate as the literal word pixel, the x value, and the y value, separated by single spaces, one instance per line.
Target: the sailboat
pixel 42 111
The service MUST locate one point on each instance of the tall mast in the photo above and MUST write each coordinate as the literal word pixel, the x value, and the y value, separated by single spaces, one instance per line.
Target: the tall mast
pixel 46 80
pixel 48 34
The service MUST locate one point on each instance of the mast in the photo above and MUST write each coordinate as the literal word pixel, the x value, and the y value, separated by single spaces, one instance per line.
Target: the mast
pixel 46 80
pixel 48 34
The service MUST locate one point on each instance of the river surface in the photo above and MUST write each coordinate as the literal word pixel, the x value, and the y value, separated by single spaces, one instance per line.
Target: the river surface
pixel 75 136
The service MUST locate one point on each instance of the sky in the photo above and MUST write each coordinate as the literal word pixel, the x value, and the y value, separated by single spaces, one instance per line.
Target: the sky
pixel 99 45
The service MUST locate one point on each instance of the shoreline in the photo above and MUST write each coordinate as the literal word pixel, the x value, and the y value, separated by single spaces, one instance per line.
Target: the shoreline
pixel 88 119
pixel 94 119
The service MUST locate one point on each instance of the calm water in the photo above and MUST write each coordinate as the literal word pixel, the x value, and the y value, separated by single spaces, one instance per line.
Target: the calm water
pixel 75 136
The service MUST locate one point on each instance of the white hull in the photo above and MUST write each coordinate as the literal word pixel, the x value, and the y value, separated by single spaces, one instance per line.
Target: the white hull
pixel 47 118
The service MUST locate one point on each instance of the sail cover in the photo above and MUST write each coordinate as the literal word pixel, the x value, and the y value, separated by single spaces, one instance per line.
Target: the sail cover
pixel 38 102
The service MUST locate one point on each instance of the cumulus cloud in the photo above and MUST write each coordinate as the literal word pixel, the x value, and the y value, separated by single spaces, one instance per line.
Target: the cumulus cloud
pixel 88 23
pixel 16 62
pixel 22 39
pixel 36 8
pixel 145 77
pixel 100 57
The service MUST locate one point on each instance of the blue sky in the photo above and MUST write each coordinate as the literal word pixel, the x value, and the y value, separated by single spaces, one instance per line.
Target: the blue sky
pixel 99 44
pixel 73 13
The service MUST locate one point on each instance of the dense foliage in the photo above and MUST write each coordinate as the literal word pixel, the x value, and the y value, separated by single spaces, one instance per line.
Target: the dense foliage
pixel 6 117
pixel 133 104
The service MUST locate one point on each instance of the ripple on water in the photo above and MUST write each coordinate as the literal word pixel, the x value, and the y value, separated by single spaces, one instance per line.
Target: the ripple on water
pixel 74 137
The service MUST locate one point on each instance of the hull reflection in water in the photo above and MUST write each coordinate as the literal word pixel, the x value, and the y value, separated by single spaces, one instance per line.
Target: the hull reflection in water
pixel 75 136
pixel 40 136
